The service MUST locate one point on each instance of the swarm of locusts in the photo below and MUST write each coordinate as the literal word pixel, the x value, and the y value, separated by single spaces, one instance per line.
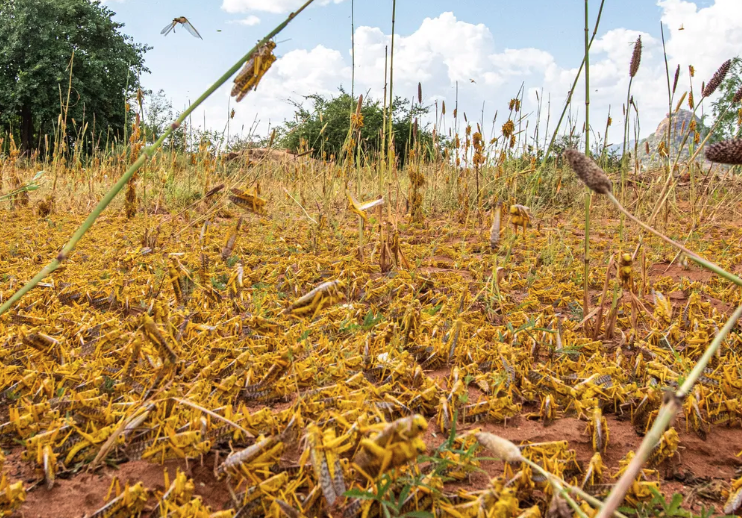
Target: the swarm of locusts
pixel 316 381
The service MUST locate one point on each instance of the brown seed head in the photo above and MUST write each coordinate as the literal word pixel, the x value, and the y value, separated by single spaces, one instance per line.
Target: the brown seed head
pixel 737 96
pixel 675 82
pixel 725 152
pixel 502 448
pixel 588 171
pixel 419 93
pixel 636 57
pixel 717 79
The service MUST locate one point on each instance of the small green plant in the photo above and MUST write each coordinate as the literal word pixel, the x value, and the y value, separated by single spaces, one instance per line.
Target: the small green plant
pixel 658 507
pixel 369 322
pixel 219 282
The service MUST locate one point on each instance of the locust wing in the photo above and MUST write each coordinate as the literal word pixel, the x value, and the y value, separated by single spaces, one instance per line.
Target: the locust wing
pixel 190 28
pixel 169 27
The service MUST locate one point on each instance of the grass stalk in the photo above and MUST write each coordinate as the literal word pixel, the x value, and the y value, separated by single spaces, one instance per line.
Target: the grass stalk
pixel 390 119
pixel 568 102
pixel 382 161
pixel 670 408
pixel 564 487
pixel 143 157
pixel 668 136
pixel 588 192
pixel 691 255
pixel 624 159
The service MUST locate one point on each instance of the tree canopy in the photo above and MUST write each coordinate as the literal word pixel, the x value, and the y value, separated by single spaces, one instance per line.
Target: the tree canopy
pixel 724 110
pixel 325 125
pixel 37 41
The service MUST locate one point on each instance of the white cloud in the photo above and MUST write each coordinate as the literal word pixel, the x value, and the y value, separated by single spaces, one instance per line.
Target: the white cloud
pixel 445 50
pixel 269 6
pixel 711 35
pixel 249 21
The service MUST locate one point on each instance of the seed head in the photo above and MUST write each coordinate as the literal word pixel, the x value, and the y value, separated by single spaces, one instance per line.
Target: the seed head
pixel 502 448
pixel 419 93
pixel 588 171
pixel 717 79
pixel 737 96
pixel 725 152
pixel 681 101
pixel 636 57
pixel 675 82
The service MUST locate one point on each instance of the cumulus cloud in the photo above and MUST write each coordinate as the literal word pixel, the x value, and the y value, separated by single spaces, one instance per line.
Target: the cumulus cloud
pixel 444 51
pixel 268 6
pixel 249 21
pixel 711 35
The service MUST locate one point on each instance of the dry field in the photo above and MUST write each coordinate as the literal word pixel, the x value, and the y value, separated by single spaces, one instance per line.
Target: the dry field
pixel 173 365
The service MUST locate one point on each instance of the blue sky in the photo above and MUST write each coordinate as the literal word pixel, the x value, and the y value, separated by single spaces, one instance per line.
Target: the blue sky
pixel 535 42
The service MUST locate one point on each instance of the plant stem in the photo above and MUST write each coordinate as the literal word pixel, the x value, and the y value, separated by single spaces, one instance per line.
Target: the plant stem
pixel 669 99
pixel 665 416
pixel 146 153
pixel 668 185
pixel 390 119
pixel 588 192
pixel 624 165
pixel 692 255
pixel 569 97
pixel 383 124
pixel 572 489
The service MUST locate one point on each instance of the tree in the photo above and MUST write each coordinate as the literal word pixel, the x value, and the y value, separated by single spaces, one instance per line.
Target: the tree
pixel 724 110
pixel 325 126
pixel 37 41
pixel 157 115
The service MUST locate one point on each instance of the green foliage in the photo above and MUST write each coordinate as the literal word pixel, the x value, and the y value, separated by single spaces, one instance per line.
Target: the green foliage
pixel 156 119
pixel 728 126
pixel 333 114
pixel 37 40
pixel 369 322
pixel 391 494
pixel 658 507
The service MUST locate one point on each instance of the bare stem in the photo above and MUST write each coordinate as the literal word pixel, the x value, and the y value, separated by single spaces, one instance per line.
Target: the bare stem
pixel 665 416
pixel 557 482
pixel 692 255
pixel 588 193
pixel 569 97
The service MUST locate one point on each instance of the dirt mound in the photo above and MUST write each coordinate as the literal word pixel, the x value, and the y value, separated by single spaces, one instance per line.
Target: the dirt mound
pixel 258 155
